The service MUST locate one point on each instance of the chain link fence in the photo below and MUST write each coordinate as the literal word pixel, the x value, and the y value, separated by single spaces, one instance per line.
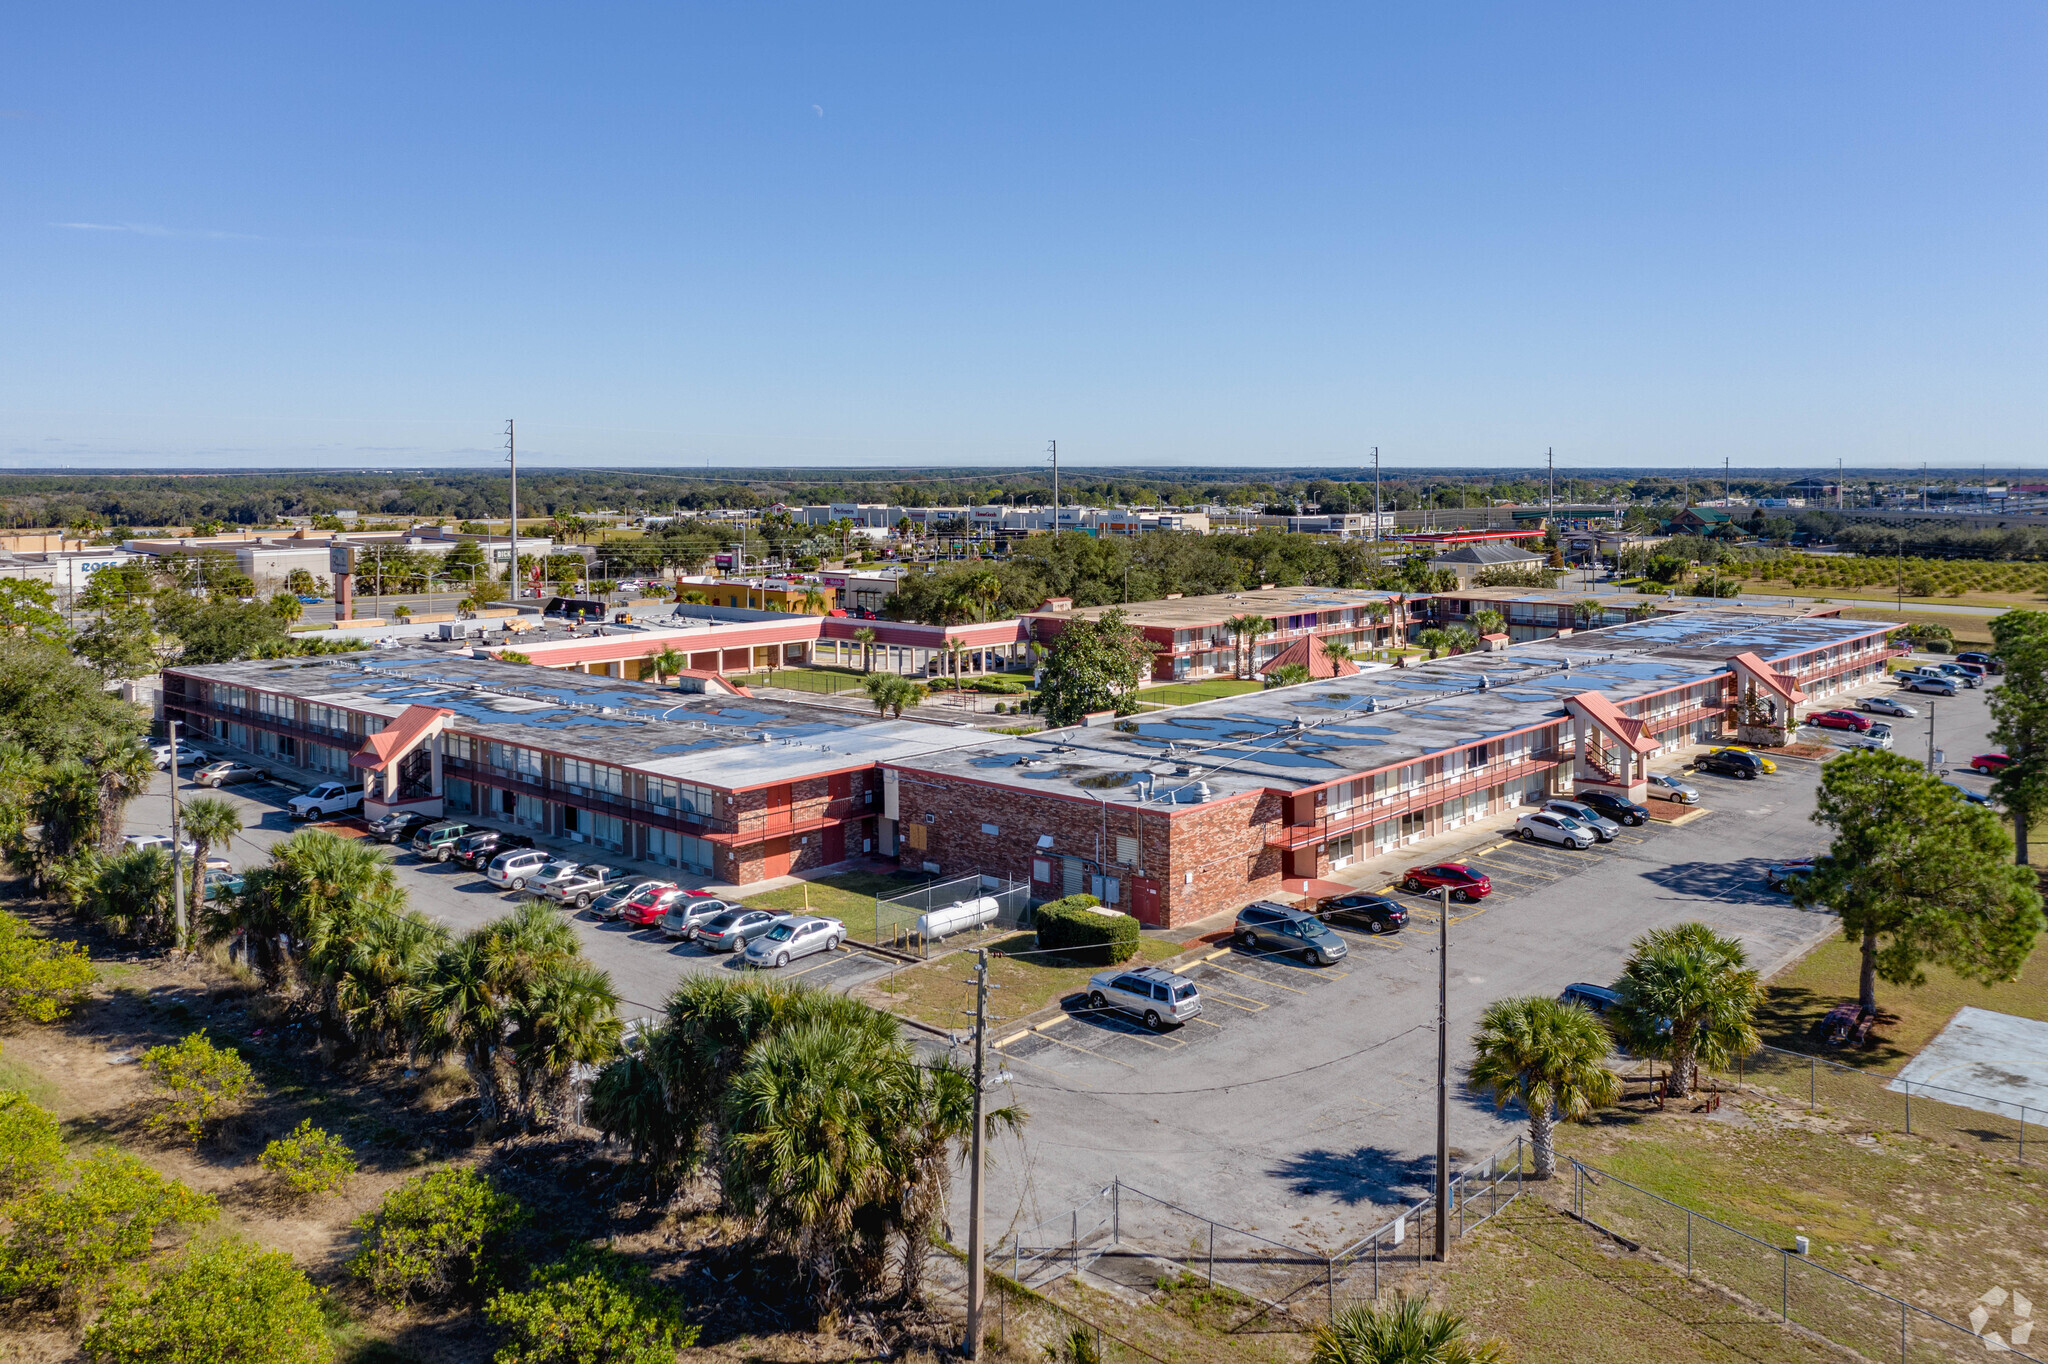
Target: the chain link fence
pixel 1137 1240
pixel 1955 1116
pixel 1778 1281
pixel 965 911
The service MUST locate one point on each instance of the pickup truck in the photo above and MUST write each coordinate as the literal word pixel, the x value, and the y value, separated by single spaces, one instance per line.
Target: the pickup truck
pixel 328 798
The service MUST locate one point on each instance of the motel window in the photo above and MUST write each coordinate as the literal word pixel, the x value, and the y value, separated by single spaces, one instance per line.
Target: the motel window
pixel 683 796
pixel 597 777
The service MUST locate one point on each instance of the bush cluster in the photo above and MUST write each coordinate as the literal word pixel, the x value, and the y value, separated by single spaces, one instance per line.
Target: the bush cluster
pixel 310 1161
pixel 202 1083
pixel 590 1307
pixel 438 1235
pixel 227 1303
pixel 1074 928
pixel 31 1147
pixel 68 1241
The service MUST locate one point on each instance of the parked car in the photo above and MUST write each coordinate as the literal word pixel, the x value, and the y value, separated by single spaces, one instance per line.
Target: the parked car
pixel 1957 671
pixel 185 845
pixel 399 826
pixel 1976 670
pixel 1373 913
pixel 1607 805
pixel 589 882
pixel 1664 786
pixel 687 914
pixel 1886 705
pixel 188 756
pixel 476 848
pixel 228 772
pixel 646 905
pixel 1974 797
pixel 305 600
pixel 553 873
pixel 1542 826
pixel 1595 998
pixel 513 869
pixel 1878 736
pixel 220 883
pixel 1768 766
pixel 1284 928
pixel 612 903
pixel 1729 762
pixel 437 841
pixel 1604 829
pixel 1783 875
pixel 734 929
pixel 797 935
pixel 1932 684
pixel 1838 719
pixel 328 798
pixel 1466 883
pixel 1988 662
pixel 1158 996
pixel 1988 764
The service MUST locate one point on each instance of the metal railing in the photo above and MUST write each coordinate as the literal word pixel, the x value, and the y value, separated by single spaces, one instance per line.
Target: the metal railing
pixel 1895 1103
pixel 1774 1281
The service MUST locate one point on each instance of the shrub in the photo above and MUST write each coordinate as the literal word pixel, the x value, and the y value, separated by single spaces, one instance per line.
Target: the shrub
pixel 229 1303
pixel 31 1148
pixel 70 1239
pixel 1073 928
pixel 590 1307
pixel 310 1161
pixel 438 1234
pixel 201 1082
pixel 40 980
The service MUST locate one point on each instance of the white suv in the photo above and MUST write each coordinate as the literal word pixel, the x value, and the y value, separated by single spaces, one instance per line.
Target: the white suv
pixel 513 870
pixel 1158 996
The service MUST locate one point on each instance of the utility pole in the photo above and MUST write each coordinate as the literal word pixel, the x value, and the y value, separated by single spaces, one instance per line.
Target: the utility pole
pixel 976 1254
pixel 1930 737
pixel 1443 1077
pixel 1838 483
pixel 178 847
pixel 1054 448
pixel 1725 503
pixel 1550 461
pixel 512 459
pixel 1375 506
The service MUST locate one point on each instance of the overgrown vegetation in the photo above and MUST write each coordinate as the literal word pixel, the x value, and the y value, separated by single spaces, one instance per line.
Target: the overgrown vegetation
pixel 436 1237
pixel 200 1082
pixel 310 1161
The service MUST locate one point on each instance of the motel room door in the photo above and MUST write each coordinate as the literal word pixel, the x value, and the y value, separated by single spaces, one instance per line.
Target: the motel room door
pixel 834 838
pixel 775 856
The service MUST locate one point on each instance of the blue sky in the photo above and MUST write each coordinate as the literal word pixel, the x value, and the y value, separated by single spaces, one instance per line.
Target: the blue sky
pixel 812 234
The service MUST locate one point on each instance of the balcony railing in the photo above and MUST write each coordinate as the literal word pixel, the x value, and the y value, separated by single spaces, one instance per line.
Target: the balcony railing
pixel 1425 796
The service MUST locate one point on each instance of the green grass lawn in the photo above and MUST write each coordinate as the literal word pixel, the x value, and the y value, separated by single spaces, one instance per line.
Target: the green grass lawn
pixel 1187 693
pixel 1795 1001
pixel 848 897
pixel 936 993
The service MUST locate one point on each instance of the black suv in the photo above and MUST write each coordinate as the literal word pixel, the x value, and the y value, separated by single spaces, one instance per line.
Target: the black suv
pixel 1729 763
pixel 399 827
pixel 1373 913
pixel 476 850
pixel 1620 809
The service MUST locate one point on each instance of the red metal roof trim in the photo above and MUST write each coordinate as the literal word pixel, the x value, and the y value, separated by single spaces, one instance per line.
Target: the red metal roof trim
pixel 1785 684
pixel 396 739
pixel 1608 716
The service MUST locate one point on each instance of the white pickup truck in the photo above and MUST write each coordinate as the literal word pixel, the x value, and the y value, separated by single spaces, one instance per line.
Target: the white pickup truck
pixel 328 798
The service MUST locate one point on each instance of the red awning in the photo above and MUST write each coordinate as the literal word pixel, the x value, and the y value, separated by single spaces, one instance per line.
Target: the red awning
pixel 1313 889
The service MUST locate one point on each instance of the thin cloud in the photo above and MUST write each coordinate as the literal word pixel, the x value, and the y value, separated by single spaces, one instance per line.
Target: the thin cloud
pixel 153 230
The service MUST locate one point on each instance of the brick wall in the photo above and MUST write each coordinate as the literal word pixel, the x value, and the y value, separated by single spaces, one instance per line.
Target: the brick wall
pixel 1174 864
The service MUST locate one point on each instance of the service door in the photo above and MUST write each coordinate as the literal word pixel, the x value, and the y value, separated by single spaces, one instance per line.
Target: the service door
pixel 1145 899
pixel 834 843
pixel 775 857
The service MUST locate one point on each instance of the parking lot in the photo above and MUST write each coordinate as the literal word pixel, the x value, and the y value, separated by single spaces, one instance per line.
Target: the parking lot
pixel 1303 1100
pixel 644 965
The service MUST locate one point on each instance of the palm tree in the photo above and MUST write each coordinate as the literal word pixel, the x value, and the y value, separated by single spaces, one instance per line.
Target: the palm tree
pixel 1586 613
pixel 1408 1332
pixel 66 810
pixel 987 589
pixel 1245 627
pixel 865 636
pixel 379 975
pixel 1433 639
pixel 957 651
pixel 935 1117
pixel 123 768
pixel 889 692
pixel 1463 639
pixel 211 822
pixel 132 889
pixel 287 607
pixel 808 1149
pixel 1488 621
pixel 1377 613
pixel 813 602
pixel 694 598
pixel 667 663
pixel 1688 996
pixel 1548 1057
pixel 1339 654
pixel 568 1017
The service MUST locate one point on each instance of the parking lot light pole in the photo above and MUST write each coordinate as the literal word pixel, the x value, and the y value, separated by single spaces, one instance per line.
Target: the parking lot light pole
pixel 1443 1078
pixel 177 848
pixel 975 1255
pixel 1930 736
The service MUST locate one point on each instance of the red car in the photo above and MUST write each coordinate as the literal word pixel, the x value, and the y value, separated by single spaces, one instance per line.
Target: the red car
pixel 1839 719
pixel 1986 764
pixel 649 905
pixel 1466 883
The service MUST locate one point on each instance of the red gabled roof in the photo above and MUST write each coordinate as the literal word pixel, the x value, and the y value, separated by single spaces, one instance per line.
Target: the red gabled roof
pixel 1608 716
pixel 1785 684
pixel 1307 651
pixel 396 739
